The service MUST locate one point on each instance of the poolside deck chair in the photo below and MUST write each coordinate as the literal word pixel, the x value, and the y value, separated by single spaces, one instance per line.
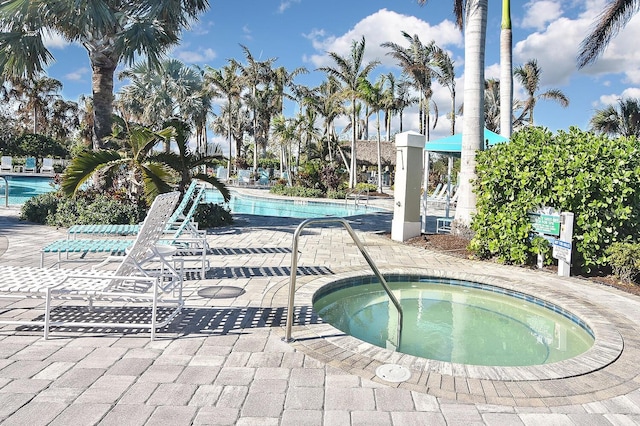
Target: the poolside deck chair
pixel 264 178
pixel 103 229
pixel 181 234
pixel 47 165
pixel 129 283
pixel 6 164
pixel 30 165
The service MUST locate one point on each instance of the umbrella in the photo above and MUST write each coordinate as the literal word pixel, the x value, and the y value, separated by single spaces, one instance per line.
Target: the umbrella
pixel 452 145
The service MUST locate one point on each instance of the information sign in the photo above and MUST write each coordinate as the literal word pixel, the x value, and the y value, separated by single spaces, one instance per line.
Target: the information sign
pixel 562 250
pixel 548 224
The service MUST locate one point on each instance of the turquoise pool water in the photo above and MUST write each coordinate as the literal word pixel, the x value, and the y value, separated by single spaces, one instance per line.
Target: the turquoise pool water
pixel 21 188
pixel 302 209
pixel 456 321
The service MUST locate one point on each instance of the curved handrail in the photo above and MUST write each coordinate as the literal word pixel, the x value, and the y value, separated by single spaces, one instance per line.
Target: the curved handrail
pixel 294 268
pixel 6 192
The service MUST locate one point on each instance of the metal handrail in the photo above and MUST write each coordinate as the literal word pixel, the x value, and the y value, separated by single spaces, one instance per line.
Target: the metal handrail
pixel 6 192
pixel 294 269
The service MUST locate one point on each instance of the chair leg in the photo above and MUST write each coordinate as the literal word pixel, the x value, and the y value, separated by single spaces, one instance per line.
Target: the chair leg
pixel 47 313
pixel 154 309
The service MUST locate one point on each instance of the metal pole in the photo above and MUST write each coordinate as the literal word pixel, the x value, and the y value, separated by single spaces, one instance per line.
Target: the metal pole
pixel 6 192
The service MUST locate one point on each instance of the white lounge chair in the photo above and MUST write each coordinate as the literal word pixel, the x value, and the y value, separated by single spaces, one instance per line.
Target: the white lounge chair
pixel 6 164
pixel 131 282
pixel 47 165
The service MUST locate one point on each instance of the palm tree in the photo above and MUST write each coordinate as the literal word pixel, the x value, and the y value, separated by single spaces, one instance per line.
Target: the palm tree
pixel 529 76
pixel 492 110
pixel 472 133
pixel 446 76
pixel 417 62
pixel 620 120
pixel 133 164
pixel 404 99
pixel 349 70
pixel 610 21
pixel 35 96
pixel 326 100
pixel 506 70
pixel 373 95
pixel 111 31
pixel 226 82
pixel 170 90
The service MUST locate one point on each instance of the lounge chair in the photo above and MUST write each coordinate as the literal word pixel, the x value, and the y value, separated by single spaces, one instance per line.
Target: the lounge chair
pixel 30 165
pixel 104 229
pixel 244 177
pixel 47 165
pixel 264 178
pixel 181 237
pixel 6 164
pixel 130 282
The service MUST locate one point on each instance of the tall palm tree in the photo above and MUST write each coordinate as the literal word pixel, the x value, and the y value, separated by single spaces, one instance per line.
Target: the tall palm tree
pixel 475 29
pixel 172 89
pixel 609 22
pixel 404 99
pixel 529 76
pixel 111 31
pixel 227 83
pixel 326 99
pixel 622 119
pixel 349 70
pixel 506 70
pixel 258 76
pixel 417 63
pixel 373 95
pixel 492 110
pixel 35 96
pixel 446 76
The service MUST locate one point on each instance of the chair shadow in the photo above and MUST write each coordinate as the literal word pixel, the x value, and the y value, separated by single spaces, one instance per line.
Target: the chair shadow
pixel 190 321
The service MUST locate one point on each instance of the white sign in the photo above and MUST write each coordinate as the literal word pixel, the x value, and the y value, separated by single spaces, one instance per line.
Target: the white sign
pixel 562 250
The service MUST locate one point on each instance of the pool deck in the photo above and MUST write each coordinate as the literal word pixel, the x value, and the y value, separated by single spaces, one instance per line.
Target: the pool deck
pixel 224 361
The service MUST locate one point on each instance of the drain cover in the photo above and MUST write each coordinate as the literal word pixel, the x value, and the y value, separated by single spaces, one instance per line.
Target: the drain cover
pixel 393 373
pixel 220 292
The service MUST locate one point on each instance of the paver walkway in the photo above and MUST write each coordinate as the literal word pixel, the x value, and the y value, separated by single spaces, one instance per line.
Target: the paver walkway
pixel 223 360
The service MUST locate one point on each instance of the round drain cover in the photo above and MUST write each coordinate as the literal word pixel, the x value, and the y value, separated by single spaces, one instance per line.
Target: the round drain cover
pixel 393 373
pixel 220 292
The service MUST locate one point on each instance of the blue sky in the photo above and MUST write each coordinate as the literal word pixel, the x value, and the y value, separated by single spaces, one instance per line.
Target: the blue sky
pixel 300 32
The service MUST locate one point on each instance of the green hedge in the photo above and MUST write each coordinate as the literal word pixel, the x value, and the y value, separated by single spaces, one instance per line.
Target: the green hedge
pixel 596 178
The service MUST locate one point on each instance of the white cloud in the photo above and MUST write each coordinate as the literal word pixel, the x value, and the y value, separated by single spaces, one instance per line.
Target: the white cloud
pixel 286 4
pixel 612 99
pixel 195 57
pixel 247 33
pixel 380 27
pixel 540 13
pixel 53 40
pixel 78 74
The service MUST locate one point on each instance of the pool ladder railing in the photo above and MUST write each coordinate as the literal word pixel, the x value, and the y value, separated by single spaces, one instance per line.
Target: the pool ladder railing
pixel 357 194
pixel 374 268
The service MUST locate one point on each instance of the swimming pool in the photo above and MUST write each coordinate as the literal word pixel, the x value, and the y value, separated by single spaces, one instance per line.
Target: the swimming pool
pixel 302 209
pixel 456 321
pixel 21 188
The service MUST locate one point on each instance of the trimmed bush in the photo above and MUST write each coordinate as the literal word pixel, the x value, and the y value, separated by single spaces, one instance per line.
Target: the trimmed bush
pixel 211 215
pixel 296 191
pixel 624 259
pixel 596 178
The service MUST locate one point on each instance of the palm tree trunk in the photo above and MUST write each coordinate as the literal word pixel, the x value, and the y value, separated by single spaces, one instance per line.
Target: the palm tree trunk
pixel 352 179
pixel 379 157
pixel 103 68
pixel 506 72
pixel 472 133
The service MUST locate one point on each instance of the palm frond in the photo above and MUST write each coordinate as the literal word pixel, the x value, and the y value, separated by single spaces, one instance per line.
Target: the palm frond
pixel 84 165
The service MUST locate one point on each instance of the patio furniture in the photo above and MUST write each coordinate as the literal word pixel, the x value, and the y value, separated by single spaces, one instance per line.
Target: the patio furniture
pixel 6 164
pixel 30 165
pixel 130 283
pixel 47 165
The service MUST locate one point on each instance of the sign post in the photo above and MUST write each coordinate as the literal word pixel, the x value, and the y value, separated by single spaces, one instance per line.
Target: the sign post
pixel 558 229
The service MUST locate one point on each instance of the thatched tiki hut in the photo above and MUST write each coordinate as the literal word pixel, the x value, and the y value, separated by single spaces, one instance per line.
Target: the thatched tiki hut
pixel 367 161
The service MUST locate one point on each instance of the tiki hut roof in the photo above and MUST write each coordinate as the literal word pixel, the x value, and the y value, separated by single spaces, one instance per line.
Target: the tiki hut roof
pixel 367 152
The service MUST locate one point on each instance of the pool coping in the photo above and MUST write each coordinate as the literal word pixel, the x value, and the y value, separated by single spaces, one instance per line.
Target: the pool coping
pixel 609 367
